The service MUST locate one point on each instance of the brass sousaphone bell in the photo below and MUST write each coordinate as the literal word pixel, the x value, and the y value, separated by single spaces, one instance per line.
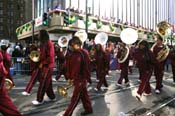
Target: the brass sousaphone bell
pixel 101 38
pixel 82 35
pixel 63 41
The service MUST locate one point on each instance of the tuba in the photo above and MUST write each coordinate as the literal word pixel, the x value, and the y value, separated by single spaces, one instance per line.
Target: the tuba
pixel 63 90
pixel 63 41
pixel 82 35
pixel 35 56
pixel 164 30
pixel 8 84
pixel 162 54
pixel 101 38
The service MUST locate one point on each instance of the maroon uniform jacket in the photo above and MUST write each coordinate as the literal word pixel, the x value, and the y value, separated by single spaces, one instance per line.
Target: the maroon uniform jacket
pixel 142 60
pixel 78 67
pixel 46 59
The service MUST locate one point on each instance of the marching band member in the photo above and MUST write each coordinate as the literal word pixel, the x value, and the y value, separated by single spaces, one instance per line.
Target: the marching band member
pixel 172 60
pixel 7 107
pixel 159 66
pixel 6 60
pixel 145 60
pixel 102 64
pixel 123 65
pixel 46 68
pixel 61 59
pixel 77 66
pixel 35 73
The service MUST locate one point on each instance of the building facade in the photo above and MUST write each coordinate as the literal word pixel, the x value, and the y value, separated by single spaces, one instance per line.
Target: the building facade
pixel 11 16
pixel 144 13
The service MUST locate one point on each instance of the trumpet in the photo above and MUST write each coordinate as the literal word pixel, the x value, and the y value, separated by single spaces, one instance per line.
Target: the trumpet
pixel 63 90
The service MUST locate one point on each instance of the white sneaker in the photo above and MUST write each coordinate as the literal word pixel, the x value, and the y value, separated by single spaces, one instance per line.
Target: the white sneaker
pixel 157 91
pixel 138 97
pixel 126 84
pixel 35 102
pixel 96 89
pixel 145 94
pixel 25 93
pixel 50 100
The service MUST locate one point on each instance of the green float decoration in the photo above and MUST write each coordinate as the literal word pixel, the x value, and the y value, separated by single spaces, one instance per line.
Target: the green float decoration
pixel 111 26
pixel 73 19
pixel 99 24
pixel 89 21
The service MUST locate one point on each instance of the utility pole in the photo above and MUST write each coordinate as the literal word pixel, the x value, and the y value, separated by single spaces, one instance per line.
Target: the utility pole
pixel 33 19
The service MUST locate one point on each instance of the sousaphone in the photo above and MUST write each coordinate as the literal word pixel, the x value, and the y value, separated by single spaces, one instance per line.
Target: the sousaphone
pixel 164 30
pixel 63 41
pixel 128 36
pixel 101 38
pixel 82 35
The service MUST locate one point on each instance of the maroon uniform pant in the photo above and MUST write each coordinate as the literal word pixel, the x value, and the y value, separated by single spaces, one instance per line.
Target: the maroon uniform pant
pixel 102 79
pixel 33 80
pixel 80 93
pixel 144 84
pixel 123 75
pixel 159 71
pixel 7 107
pixel 45 84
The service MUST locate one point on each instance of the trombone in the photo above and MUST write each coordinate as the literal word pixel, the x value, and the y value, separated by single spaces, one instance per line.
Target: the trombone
pixel 63 90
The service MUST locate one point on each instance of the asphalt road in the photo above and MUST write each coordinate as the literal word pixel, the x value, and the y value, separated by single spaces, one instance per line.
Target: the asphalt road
pixel 112 101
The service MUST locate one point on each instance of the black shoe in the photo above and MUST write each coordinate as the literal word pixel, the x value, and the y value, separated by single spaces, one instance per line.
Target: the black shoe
pixel 86 113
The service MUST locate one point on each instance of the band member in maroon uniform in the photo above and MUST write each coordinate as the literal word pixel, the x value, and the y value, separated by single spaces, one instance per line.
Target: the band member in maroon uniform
pixel 35 73
pixel 7 107
pixel 61 58
pixel 46 68
pixel 145 60
pixel 123 66
pixel 102 63
pixel 172 59
pixel 6 61
pixel 159 66
pixel 78 71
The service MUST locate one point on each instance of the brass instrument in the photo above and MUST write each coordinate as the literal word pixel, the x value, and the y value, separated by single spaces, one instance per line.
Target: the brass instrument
pixel 124 55
pixel 63 41
pixel 63 90
pixel 34 56
pixel 8 84
pixel 162 55
pixel 101 38
pixel 129 36
pixel 164 28
pixel 82 35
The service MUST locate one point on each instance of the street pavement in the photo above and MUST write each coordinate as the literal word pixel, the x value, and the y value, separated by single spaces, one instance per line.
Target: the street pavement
pixel 112 101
